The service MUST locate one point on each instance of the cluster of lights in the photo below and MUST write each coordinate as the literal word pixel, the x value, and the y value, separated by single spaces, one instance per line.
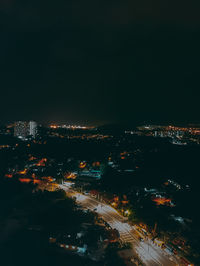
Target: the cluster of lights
pixel 68 126
pixel 74 127
pixel 162 201
pixel 4 146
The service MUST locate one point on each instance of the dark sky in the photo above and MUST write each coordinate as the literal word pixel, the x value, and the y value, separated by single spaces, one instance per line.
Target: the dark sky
pixel 97 61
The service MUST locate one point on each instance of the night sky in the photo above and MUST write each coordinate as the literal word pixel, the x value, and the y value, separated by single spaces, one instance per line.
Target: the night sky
pixel 100 61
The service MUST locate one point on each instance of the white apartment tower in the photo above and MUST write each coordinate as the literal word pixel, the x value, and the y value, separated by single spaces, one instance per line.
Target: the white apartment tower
pixel 24 129
pixel 32 128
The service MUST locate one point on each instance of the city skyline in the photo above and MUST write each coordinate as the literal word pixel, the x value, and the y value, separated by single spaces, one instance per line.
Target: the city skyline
pixel 139 185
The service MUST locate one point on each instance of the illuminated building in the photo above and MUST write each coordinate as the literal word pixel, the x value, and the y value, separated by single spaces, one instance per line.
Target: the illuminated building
pixel 32 129
pixel 21 130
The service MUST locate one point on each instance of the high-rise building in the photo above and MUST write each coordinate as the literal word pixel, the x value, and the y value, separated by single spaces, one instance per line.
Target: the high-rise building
pixel 32 129
pixel 24 129
pixel 21 129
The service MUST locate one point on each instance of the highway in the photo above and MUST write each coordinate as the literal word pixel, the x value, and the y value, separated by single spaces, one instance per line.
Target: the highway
pixel 149 254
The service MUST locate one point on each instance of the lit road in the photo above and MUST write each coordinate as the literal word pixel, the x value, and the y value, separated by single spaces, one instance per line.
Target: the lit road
pixel 149 254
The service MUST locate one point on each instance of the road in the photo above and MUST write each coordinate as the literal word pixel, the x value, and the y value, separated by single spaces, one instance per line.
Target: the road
pixel 149 254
